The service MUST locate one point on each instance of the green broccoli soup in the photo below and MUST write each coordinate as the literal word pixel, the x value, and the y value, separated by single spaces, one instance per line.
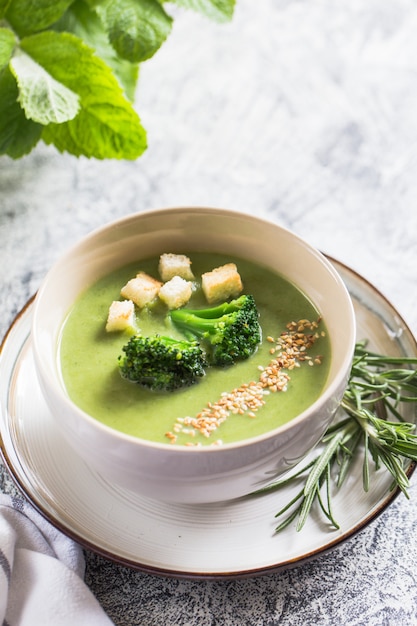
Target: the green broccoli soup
pixel 228 403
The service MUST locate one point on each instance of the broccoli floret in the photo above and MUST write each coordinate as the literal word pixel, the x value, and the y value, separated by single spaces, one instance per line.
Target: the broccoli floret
pixel 228 332
pixel 162 363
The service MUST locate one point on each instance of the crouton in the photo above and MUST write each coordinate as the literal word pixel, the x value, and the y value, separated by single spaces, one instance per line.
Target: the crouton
pixel 171 265
pixel 221 283
pixel 121 315
pixel 142 289
pixel 176 292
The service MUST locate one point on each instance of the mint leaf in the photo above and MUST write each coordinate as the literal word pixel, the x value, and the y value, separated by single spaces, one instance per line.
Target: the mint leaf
pixel 106 126
pixel 18 135
pixel 43 99
pixel 69 67
pixel 136 28
pixel 7 43
pixel 31 16
pixel 102 134
pixel 85 23
pixel 218 10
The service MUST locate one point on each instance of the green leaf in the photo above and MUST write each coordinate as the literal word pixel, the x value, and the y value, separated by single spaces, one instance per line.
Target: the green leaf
pixel 3 7
pixel 106 126
pixel 85 23
pixel 218 10
pixel 31 16
pixel 18 135
pixel 136 28
pixel 43 99
pixel 7 43
pixel 105 132
pixel 320 466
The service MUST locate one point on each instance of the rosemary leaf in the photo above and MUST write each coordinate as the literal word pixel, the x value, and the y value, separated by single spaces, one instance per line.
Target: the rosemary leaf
pixel 374 393
pixel 322 462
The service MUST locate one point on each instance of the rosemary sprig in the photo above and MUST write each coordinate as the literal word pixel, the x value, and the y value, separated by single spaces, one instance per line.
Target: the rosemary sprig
pixel 371 422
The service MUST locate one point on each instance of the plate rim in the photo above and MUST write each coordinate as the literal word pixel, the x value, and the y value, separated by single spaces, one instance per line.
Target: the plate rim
pixel 134 564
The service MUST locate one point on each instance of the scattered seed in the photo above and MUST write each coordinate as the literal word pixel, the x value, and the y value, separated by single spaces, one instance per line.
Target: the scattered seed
pixel 289 351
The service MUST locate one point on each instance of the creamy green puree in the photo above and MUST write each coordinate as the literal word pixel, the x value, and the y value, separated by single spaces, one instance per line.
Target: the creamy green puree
pixel 89 354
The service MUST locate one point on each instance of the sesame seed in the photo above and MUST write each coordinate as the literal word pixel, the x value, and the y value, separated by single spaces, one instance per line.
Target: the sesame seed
pixel 289 350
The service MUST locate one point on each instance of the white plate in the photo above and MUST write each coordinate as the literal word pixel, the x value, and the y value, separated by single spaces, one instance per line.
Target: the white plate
pixel 228 540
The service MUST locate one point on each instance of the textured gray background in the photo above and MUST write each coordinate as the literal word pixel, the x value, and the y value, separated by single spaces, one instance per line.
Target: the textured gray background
pixel 303 111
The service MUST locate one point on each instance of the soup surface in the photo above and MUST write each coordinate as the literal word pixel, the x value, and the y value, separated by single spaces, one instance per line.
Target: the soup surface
pixel 89 360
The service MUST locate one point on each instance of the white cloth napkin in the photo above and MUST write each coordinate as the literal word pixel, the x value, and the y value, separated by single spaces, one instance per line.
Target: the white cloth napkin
pixel 41 573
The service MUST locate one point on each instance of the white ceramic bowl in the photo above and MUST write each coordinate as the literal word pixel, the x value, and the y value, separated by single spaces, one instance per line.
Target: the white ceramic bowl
pixel 171 472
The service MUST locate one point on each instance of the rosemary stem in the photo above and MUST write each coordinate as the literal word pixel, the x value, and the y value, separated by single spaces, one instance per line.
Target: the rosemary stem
pixel 375 391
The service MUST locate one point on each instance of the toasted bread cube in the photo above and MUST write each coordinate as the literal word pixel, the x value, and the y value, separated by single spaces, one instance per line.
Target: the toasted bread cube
pixel 171 265
pixel 221 283
pixel 176 292
pixel 142 289
pixel 121 315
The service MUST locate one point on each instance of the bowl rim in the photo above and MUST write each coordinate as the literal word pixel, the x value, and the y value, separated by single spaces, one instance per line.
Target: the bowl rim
pixel 175 449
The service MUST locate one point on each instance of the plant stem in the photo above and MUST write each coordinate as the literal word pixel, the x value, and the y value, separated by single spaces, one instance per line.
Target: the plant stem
pixel 374 393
